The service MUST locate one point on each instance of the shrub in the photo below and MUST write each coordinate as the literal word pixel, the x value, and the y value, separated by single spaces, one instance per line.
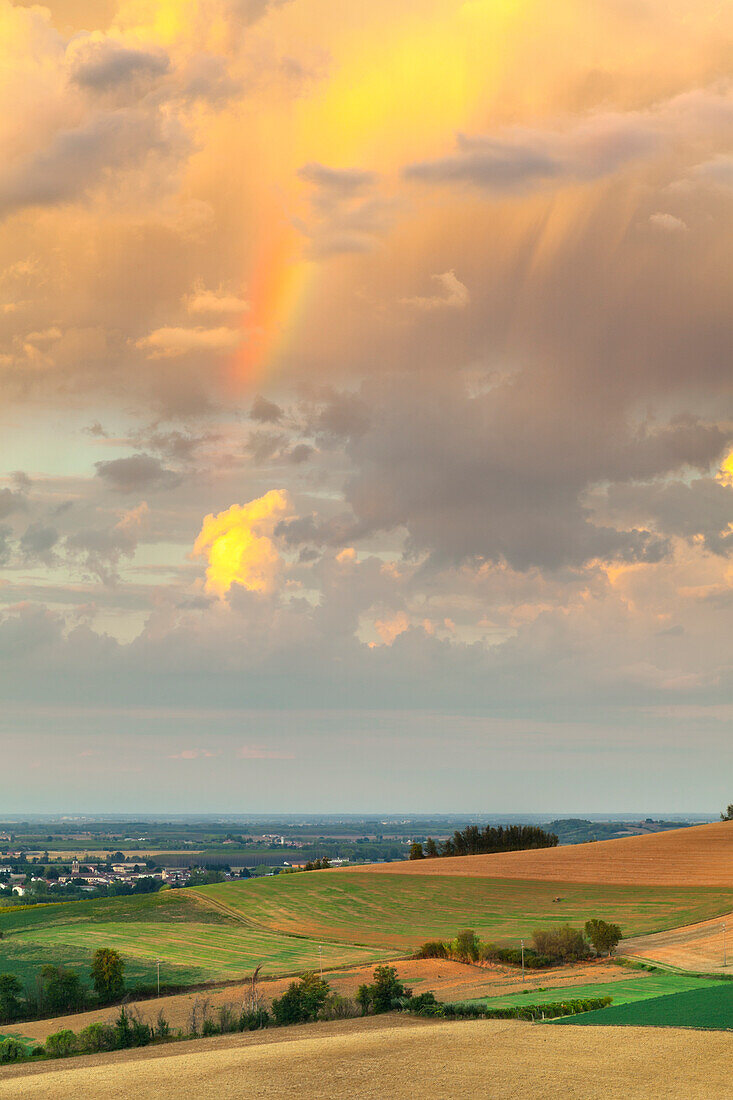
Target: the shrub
pixel 513 956
pixel 61 1044
pixel 253 1021
pixel 97 1037
pixel 562 942
pixel 337 1007
pixel 302 1001
pixel 432 949
pixel 422 1006
pixel 12 1050
pixel 162 1027
pixel 209 1027
pixel 228 1020
pixel 384 993
pixel 10 990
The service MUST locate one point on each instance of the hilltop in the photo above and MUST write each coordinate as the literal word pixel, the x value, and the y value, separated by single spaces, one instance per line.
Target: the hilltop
pixel 700 855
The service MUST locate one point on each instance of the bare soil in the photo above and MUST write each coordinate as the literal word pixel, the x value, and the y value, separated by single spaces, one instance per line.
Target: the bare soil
pixel 401 1058
pixel 698 856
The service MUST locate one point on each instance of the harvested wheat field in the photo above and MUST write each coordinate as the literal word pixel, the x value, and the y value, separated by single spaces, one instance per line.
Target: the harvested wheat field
pixel 450 981
pixel 401 1058
pixel 698 856
pixel 707 946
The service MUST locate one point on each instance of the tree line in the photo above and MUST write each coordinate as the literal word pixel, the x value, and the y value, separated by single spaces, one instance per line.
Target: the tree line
pixel 60 990
pixel 473 841
pixel 549 946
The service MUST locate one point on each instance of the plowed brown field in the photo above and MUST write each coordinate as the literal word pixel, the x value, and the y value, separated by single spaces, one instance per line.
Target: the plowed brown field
pixel 697 856
pixel 400 1059
pixel 705 946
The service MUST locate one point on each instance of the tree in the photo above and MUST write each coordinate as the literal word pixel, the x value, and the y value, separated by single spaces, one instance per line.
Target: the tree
pixel 431 848
pixel 107 974
pixel 10 990
pixel 467 945
pixel 602 935
pixel 303 1000
pixel 60 990
pixel 416 851
pixel 381 995
pixel 728 815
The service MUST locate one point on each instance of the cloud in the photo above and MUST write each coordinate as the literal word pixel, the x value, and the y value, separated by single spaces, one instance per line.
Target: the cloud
pixel 267 412
pixel 170 343
pixel 202 300
pixel 454 295
pixel 100 64
pixel 135 473
pixel 100 550
pixel 389 629
pixel 238 544
pixel 261 752
pixel 38 541
pixel 74 161
pixel 11 502
pixel 668 223
pixel 347 215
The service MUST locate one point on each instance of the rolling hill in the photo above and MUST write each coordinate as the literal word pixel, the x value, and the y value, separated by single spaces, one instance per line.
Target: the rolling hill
pixel 701 855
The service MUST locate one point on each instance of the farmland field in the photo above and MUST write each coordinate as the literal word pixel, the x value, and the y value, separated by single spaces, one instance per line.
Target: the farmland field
pixel 402 911
pixel 291 923
pixel 400 1058
pixel 709 1006
pixel 697 856
pixel 626 991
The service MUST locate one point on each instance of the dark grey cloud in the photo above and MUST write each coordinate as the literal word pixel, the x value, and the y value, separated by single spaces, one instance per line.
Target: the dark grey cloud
pixel 11 502
pixel 136 473
pixel 502 477
pixel 267 412
pixel 74 161
pixel 698 509
pixel 104 64
pixel 38 541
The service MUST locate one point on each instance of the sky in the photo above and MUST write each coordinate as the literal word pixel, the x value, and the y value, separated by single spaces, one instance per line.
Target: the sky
pixel 366 405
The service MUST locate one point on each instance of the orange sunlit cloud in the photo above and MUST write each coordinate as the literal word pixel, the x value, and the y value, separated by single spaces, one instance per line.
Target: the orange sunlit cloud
pixel 238 545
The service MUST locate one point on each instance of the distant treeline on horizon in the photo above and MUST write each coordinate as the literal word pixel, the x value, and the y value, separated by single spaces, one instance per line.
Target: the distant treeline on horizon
pixel 473 841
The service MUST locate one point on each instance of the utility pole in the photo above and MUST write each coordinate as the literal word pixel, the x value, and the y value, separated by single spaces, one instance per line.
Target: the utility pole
pixel 725 961
pixel 320 958
pixel 522 943
pixel 158 962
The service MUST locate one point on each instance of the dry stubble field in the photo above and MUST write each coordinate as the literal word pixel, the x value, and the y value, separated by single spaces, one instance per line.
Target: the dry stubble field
pixel 401 1058
pixel 697 856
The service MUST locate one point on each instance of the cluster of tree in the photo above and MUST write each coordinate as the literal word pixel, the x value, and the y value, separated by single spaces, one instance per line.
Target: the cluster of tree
pixel 59 989
pixel 473 841
pixel 311 865
pixel 550 946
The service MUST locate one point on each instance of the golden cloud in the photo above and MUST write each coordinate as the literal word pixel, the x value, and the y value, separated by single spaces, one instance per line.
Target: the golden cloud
pixel 238 544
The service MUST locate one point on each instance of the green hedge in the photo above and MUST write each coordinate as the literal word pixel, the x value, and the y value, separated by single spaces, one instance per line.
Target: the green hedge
pixel 426 1005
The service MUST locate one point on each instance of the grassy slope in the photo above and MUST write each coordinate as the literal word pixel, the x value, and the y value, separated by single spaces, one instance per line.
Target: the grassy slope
pixel 710 1006
pixel 402 911
pixel 625 991
pixel 223 931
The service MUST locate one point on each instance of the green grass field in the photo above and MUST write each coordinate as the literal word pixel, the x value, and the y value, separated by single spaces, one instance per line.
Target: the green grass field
pixel 289 923
pixel 625 991
pixel 401 911
pixel 710 1006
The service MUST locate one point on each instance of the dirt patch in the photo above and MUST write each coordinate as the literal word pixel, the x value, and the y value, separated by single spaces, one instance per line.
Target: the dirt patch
pixel 698 856
pixel 400 1058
